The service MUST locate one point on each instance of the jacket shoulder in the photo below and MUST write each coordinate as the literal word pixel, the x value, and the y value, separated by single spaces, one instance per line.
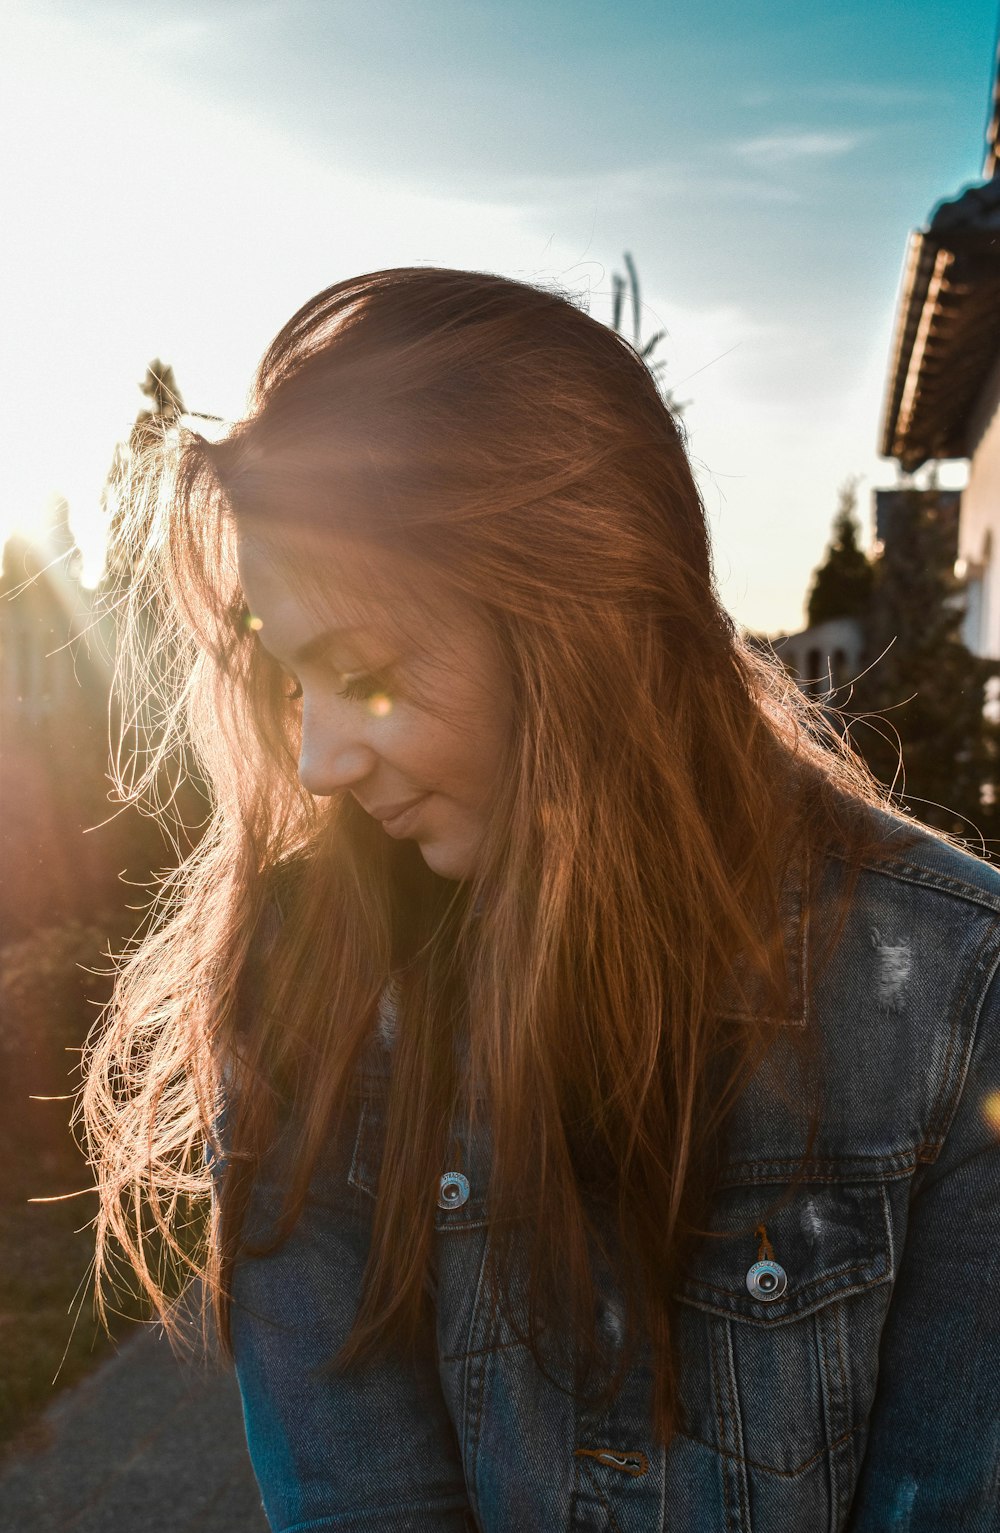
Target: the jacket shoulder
pixel 913 855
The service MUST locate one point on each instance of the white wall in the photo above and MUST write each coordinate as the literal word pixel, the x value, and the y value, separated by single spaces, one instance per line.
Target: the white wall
pixel 979 528
pixel 825 657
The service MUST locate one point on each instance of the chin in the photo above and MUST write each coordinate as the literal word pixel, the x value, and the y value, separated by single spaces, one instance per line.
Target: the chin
pixel 448 860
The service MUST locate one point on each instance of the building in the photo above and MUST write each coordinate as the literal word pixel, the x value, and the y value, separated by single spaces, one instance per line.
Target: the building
pixel 829 657
pixel 942 397
pixel 54 789
pixel 43 614
pixel 824 658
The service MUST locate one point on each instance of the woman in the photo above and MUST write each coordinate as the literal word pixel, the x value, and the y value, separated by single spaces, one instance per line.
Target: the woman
pixel 589 1079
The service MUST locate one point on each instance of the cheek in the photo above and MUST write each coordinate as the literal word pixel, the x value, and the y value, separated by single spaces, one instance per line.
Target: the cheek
pixel 457 759
pixel 483 746
pixel 418 746
pixel 457 742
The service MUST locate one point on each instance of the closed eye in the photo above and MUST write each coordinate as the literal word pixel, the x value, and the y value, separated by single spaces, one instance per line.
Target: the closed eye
pixel 358 689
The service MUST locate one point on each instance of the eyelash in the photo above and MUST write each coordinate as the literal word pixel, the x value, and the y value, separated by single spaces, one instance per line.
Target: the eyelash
pixel 356 689
pixel 359 689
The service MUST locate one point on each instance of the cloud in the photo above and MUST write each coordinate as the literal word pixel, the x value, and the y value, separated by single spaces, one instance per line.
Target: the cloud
pixel 870 93
pixel 652 187
pixel 788 148
pixel 875 93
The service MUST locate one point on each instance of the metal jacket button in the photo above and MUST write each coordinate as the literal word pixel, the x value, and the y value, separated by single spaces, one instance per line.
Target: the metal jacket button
pixel 453 1190
pixel 767 1281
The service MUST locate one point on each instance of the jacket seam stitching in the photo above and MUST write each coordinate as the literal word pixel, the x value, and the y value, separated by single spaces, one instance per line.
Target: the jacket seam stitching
pixel 943 1111
pixel 927 878
pixel 784 1474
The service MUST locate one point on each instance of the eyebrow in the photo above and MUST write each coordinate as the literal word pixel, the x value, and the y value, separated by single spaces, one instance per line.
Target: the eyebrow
pixel 316 647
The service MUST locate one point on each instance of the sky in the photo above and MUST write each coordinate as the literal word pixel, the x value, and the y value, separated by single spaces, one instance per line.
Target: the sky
pixel 176 180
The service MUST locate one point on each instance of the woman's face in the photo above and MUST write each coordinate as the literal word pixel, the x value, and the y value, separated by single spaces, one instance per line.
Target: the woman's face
pixel 415 730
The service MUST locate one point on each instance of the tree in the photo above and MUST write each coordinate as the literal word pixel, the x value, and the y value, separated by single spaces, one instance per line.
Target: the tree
pixel 647 349
pixel 135 471
pixel 842 585
pixel 924 685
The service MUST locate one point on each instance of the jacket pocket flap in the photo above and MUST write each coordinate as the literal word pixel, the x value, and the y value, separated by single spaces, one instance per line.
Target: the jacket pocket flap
pixel 828 1240
pixel 469 1207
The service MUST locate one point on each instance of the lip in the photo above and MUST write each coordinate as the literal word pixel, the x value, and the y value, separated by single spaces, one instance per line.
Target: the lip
pixel 396 818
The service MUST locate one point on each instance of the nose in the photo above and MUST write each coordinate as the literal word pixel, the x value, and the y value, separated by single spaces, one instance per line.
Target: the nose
pixel 333 755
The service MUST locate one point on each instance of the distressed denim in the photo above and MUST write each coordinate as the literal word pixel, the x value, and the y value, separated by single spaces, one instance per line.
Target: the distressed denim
pixel 865 1397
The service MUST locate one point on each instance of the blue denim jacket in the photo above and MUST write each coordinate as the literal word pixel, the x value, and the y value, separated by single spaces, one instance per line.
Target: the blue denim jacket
pixel 856 1388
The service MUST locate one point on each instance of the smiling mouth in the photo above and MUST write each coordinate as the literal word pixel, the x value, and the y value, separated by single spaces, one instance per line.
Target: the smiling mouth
pixel 398 822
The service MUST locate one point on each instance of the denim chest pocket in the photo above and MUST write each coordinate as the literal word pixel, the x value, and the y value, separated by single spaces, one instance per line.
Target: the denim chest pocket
pixel 461 1187
pixel 780 1313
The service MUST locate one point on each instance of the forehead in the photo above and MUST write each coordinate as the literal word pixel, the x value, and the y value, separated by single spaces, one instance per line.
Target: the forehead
pixel 299 582
pixel 322 576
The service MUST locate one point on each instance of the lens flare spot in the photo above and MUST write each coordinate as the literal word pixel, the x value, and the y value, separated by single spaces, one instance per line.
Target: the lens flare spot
pixel 255 624
pixel 991 1110
pixel 380 705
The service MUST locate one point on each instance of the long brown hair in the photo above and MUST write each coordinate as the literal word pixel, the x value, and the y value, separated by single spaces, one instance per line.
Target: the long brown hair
pixel 660 779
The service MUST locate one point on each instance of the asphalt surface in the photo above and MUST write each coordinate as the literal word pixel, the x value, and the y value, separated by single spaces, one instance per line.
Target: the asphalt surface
pixel 144 1444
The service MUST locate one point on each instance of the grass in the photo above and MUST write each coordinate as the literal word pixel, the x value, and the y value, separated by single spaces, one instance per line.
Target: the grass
pixel 49 1335
pixel 48 1338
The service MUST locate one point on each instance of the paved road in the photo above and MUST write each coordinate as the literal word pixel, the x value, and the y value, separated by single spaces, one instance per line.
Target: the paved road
pixel 142 1445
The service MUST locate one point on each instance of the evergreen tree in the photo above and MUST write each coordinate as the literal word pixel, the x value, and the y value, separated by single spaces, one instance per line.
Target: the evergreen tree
pixel 842 585
pixel 921 679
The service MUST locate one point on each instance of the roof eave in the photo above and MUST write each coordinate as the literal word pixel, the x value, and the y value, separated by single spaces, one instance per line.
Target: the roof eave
pixel 951 274
pixel 909 306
